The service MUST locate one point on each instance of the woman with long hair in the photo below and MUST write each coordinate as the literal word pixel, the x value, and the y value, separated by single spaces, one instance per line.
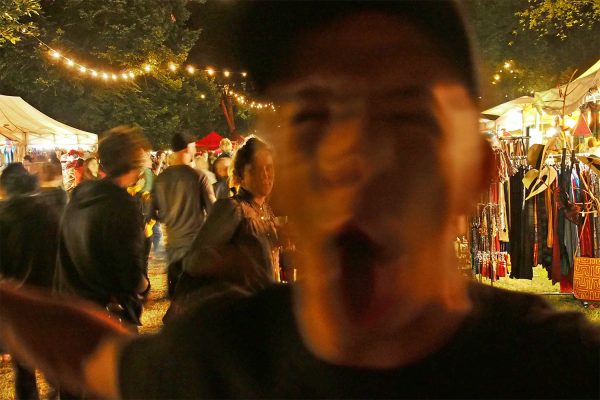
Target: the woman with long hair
pixel 236 251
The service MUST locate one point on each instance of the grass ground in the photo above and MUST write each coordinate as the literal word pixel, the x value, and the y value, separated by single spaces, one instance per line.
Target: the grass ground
pixel 158 303
pixel 154 310
pixel 540 284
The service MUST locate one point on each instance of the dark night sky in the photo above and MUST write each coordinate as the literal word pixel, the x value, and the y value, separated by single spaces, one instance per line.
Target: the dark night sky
pixel 213 47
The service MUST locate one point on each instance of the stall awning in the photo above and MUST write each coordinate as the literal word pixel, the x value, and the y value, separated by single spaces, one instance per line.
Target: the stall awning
pixel 552 103
pixel 501 109
pixel 209 142
pixel 21 122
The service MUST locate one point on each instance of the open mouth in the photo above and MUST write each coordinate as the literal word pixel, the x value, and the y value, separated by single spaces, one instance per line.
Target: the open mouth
pixel 358 256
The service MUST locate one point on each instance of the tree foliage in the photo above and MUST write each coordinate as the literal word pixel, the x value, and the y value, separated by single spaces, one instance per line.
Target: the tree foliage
pixel 12 15
pixel 120 35
pixel 559 17
pixel 538 62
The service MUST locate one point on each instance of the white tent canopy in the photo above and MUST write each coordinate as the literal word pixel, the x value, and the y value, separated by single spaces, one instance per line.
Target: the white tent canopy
pixel 22 123
pixel 501 109
pixel 552 103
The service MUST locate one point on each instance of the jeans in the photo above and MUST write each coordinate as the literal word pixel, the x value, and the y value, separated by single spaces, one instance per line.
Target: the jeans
pixel 156 235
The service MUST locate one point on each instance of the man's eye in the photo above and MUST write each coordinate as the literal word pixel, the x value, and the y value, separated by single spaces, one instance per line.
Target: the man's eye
pixel 310 116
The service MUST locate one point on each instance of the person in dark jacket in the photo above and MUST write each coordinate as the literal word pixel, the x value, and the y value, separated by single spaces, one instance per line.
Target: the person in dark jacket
pixel 236 249
pixel 102 239
pixel 49 175
pixel 28 246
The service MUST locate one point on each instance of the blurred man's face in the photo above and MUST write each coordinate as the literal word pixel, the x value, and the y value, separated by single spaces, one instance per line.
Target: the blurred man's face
pixel 380 149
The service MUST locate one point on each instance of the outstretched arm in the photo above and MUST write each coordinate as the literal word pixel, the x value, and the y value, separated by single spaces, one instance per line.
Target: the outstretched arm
pixel 71 341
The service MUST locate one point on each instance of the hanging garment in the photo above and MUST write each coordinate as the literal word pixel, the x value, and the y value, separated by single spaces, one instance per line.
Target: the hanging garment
pixel 544 254
pixel 595 188
pixel 565 239
pixel 585 231
pixel 502 213
pixel 522 236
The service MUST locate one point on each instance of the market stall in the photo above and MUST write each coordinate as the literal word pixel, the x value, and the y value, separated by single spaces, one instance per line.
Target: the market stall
pixel 542 209
pixel 568 98
pixel 24 125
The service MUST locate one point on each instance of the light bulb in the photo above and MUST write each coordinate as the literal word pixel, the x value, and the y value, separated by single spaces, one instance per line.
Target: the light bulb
pixel 244 74
pixel 202 96
pixel 82 69
pixel 172 67
pixel 226 73
pixel 104 76
pixel 131 74
pixel 210 71
pixel 125 76
pixel 55 54
pixel 191 69
pixel 70 63
pixel 94 74
pixel 147 68
pixel 114 77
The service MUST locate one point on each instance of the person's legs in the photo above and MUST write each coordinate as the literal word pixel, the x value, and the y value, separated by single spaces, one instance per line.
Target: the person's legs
pixel 147 247
pixel 174 271
pixel 25 383
pixel 156 236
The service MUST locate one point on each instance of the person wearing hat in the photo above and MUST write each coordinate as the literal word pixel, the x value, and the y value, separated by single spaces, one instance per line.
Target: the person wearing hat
pixel 380 308
pixel 182 197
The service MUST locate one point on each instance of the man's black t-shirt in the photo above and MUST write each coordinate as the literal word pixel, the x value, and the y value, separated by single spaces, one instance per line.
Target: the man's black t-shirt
pixel 511 346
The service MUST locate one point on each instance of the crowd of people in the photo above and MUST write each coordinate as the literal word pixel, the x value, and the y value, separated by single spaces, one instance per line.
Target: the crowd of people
pixel 380 309
pixel 94 240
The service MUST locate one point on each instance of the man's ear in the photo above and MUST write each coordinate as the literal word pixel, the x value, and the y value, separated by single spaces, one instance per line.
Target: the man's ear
pixel 482 174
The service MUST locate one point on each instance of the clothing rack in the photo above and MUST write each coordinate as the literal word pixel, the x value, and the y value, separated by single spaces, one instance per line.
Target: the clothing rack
pixel 551 156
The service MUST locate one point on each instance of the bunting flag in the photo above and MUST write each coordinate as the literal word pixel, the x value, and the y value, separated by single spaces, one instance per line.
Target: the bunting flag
pixel 582 129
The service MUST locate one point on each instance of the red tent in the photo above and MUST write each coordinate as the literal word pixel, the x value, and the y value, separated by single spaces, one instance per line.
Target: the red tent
pixel 209 142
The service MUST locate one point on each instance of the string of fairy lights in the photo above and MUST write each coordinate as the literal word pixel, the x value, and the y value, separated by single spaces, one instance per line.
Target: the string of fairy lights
pixel 242 99
pixel 110 75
